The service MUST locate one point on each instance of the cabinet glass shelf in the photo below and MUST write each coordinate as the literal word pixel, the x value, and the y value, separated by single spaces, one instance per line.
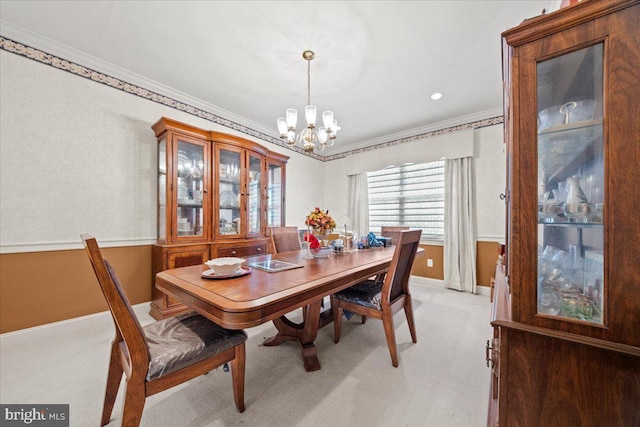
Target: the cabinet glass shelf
pixel 230 180
pixel 564 223
pixel 596 124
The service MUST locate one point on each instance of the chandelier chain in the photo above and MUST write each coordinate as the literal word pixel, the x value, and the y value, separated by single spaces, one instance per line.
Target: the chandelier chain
pixel 308 81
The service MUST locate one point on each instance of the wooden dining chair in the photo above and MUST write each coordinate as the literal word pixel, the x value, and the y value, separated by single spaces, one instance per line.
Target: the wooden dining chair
pixel 162 354
pixel 381 300
pixel 393 232
pixel 285 239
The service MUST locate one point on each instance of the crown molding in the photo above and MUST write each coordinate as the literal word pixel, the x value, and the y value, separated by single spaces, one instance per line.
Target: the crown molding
pixel 49 46
pixel 445 124
pixel 441 128
pixel 46 51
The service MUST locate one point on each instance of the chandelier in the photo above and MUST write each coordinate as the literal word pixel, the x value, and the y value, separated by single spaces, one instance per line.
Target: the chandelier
pixel 310 138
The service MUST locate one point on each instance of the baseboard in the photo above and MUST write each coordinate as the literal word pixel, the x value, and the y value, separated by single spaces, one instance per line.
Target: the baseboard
pixel 427 281
pixel 140 310
pixel 438 283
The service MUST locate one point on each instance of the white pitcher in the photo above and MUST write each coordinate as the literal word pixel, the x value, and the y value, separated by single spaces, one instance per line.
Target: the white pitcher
pixel 575 195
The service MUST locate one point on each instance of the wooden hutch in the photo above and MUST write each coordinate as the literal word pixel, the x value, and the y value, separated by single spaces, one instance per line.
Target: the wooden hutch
pixel 566 313
pixel 218 194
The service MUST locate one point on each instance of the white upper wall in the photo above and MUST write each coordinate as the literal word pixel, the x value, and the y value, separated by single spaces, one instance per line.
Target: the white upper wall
pixel 491 168
pixel 78 156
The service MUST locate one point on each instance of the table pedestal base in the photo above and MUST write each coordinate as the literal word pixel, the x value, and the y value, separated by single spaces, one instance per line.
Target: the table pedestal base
pixel 305 333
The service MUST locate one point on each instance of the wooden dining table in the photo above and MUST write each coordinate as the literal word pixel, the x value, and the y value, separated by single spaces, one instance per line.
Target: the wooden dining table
pixel 262 296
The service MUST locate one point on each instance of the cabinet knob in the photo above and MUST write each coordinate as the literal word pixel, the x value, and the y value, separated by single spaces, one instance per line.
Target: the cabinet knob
pixel 259 250
pixel 234 253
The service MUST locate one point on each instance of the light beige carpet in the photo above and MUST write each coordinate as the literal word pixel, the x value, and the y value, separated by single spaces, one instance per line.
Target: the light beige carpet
pixel 441 381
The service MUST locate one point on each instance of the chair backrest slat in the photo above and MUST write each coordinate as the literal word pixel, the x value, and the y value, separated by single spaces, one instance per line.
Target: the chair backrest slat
pixel 392 232
pixel 124 318
pixel 397 280
pixel 285 239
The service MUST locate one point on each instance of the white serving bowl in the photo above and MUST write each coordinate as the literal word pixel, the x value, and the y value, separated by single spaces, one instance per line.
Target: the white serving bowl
pixel 322 252
pixel 225 265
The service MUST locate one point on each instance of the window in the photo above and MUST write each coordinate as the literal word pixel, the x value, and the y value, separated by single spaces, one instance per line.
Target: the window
pixel 409 195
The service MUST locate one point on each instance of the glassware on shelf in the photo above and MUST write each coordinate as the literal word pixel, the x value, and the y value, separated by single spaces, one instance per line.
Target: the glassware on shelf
pixel 196 169
pixel 549 301
pixel 229 192
pixel 576 306
pixel 576 206
pixel 254 208
pixel 549 209
pixel 183 165
pixel 228 199
pixel 184 227
pixel 274 178
pixel 569 285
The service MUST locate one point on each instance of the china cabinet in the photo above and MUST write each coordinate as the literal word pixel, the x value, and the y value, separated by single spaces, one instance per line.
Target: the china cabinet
pixel 566 312
pixel 218 195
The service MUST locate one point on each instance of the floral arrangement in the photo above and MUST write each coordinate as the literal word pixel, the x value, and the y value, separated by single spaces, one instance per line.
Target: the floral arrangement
pixel 320 221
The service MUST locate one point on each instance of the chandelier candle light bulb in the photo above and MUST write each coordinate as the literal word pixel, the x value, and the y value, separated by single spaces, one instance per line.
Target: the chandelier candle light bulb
pixel 309 138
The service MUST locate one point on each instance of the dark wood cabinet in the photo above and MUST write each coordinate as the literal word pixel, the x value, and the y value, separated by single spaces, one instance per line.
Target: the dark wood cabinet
pixel 218 194
pixel 566 312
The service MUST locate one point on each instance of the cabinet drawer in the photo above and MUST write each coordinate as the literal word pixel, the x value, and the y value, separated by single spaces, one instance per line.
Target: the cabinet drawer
pixel 187 258
pixel 242 251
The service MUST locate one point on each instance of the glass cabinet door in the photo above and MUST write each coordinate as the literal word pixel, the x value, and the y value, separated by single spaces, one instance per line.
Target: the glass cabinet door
pixel 254 185
pixel 571 178
pixel 275 196
pixel 162 189
pixel 229 192
pixel 189 174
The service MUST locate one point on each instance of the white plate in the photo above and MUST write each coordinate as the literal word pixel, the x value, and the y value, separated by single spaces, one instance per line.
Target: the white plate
pixel 210 274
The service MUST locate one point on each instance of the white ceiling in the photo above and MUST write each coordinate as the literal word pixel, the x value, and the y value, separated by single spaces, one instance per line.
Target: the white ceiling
pixel 377 62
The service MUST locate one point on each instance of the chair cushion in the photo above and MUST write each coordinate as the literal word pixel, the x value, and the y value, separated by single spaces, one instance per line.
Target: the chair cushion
pixel 367 294
pixel 180 341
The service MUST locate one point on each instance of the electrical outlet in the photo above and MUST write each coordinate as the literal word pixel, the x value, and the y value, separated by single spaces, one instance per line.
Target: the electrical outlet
pixel 429 262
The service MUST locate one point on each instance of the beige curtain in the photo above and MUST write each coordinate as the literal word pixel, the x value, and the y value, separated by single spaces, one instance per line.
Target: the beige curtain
pixel 460 225
pixel 358 203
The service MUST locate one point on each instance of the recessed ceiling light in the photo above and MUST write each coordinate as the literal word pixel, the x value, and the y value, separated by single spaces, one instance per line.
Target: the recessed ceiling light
pixel 436 96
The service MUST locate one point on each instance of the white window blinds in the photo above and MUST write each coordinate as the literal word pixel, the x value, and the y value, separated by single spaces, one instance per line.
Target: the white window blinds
pixel 409 195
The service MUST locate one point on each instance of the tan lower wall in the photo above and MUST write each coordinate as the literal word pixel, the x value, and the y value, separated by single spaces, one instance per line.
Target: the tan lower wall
pixel 486 257
pixel 37 288
pixel 436 253
pixel 43 287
